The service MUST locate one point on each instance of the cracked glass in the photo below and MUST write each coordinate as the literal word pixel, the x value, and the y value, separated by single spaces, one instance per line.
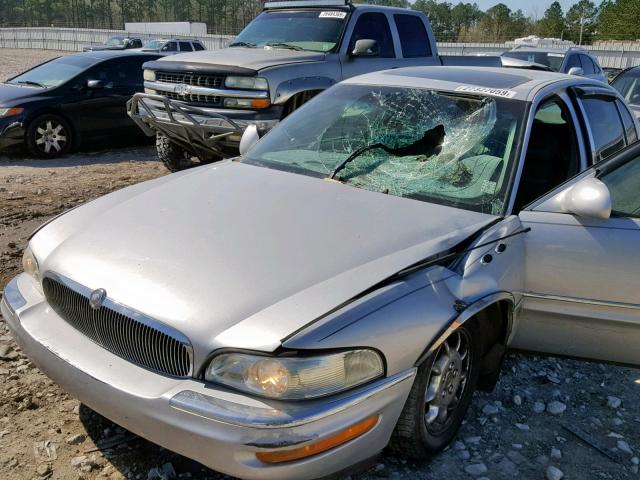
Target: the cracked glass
pixel 434 146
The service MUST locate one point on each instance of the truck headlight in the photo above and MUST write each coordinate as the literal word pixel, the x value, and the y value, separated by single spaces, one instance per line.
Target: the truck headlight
pixel 247 83
pixel 149 75
pixel 295 378
pixel 30 264
pixel 246 102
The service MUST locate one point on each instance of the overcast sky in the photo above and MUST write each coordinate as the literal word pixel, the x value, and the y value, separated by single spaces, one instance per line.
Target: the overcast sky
pixel 532 7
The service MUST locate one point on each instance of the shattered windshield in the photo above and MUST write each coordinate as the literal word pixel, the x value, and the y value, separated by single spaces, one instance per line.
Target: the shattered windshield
pixel 417 143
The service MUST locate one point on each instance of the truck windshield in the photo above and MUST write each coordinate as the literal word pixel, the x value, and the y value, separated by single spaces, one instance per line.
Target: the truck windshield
pixel 55 72
pixel 430 145
pixel 550 59
pixel 315 30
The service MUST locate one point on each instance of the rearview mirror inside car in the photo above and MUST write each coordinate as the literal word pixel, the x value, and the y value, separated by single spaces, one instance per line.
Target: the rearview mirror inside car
pixel 249 138
pixel 95 84
pixel 365 48
pixel 577 71
pixel 589 198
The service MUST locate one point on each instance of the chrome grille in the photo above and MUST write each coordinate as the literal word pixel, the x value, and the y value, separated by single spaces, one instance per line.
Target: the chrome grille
pixel 199 80
pixel 192 98
pixel 133 339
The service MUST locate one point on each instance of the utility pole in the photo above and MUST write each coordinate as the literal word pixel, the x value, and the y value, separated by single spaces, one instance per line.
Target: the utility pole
pixel 581 26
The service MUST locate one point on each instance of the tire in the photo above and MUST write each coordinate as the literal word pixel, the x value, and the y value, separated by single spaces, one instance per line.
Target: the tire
pixel 174 157
pixel 421 432
pixel 49 136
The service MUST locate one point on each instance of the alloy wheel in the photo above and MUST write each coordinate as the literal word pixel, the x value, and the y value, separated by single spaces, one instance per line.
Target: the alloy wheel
pixel 51 137
pixel 448 379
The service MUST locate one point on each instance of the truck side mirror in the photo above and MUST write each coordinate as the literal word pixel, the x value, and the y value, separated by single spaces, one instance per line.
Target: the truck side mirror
pixel 589 198
pixel 577 71
pixel 249 138
pixel 365 48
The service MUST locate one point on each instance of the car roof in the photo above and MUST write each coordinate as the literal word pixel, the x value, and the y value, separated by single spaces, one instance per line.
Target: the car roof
pixel 517 84
pixel 106 54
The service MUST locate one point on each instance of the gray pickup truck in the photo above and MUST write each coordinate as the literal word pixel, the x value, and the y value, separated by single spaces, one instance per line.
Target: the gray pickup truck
pixel 199 104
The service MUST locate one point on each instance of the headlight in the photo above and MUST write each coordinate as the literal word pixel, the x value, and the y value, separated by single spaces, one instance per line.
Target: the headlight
pixel 295 378
pixel 30 264
pixel 247 83
pixel 246 102
pixel 149 75
pixel 7 112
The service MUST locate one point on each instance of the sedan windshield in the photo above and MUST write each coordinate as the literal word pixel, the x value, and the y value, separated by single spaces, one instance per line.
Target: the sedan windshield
pixel 550 59
pixel 628 84
pixel 53 73
pixel 115 42
pixel 423 144
pixel 316 30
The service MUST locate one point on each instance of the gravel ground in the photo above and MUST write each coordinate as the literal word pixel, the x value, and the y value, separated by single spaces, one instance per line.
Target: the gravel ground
pixel 529 427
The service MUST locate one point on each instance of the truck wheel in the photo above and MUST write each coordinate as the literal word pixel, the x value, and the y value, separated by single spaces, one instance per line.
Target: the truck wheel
pixel 440 396
pixel 174 157
pixel 48 136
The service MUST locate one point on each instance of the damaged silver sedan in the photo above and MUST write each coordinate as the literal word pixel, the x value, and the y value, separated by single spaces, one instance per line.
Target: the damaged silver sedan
pixel 349 281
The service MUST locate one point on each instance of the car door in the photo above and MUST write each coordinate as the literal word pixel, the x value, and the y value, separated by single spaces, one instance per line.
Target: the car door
pixel 369 26
pixel 582 273
pixel 170 48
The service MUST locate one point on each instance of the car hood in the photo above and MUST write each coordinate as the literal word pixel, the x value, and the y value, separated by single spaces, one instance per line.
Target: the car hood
pixel 235 255
pixel 251 58
pixel 9 94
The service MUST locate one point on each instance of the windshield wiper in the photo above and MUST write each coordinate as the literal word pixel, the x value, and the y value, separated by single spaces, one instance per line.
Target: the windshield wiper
pixel 243 44
pixel 430 144
pixel 30 82
pixel 285 45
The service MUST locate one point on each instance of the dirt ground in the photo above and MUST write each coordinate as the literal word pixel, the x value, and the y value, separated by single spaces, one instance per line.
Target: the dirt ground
pixel 529 427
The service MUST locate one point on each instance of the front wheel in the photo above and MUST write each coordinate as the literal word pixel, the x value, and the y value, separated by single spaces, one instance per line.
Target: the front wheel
pixel 176 158
pixel 440 396
pixel 49 136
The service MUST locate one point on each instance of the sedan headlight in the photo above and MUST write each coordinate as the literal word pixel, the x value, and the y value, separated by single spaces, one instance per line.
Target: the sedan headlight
pixel 8 112
pixel 247 83
pixel 30 264
pixel 149 75
pixel 295 378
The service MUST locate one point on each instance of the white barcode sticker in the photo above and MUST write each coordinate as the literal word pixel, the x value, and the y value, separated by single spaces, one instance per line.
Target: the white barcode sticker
pixel 333 14
pixel 497 92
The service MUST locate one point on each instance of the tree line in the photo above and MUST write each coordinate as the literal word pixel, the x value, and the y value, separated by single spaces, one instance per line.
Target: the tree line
pixel 583 22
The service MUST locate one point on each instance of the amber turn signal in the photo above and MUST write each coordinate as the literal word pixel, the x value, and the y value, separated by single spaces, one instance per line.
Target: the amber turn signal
pixel 260 103
pixel 344 436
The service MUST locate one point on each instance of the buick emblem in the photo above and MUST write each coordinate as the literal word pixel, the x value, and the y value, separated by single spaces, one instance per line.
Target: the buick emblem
pixel 182 89
pixel 97 297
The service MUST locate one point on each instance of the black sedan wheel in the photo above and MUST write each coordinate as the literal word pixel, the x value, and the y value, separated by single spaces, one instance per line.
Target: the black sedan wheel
pixel 49 136
pixel 440 396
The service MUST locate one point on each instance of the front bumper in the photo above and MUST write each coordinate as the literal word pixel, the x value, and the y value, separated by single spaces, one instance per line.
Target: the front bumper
pixel 219 428
pixel 197 129
pixel 11 132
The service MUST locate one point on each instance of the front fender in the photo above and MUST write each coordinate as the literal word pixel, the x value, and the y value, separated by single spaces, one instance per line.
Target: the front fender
pixel 287 89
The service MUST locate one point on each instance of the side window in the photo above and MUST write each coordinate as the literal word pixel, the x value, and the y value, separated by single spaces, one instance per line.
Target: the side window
pixel 170 47
pixel 374 26
pixel 553 155
pixel 587 65
pixel 596 66
pixel 185 47
pixel 624 185
pixel 627 120
pixel 197 46
pixel 137 43
pixel 605 125
pixel 574 61
pixel 413 36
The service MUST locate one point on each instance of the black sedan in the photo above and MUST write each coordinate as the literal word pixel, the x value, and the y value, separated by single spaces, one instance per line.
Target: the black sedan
pixel 71 100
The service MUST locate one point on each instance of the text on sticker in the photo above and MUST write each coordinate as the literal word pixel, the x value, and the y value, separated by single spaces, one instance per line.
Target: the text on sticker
pixel 497 92
pixel 333 14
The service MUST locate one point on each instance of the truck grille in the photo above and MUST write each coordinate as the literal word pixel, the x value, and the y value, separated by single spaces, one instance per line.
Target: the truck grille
pixel 191 98
pixel 199 80
pixel 127 337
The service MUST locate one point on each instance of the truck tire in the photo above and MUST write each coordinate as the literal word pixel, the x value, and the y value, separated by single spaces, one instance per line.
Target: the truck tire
pixel 174 157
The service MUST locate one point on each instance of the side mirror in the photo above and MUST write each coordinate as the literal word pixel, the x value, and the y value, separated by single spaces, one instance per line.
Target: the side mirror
pixel 249 138
pixel 365 48
pixel 577 71
pixel 95 84
pixel 589 198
